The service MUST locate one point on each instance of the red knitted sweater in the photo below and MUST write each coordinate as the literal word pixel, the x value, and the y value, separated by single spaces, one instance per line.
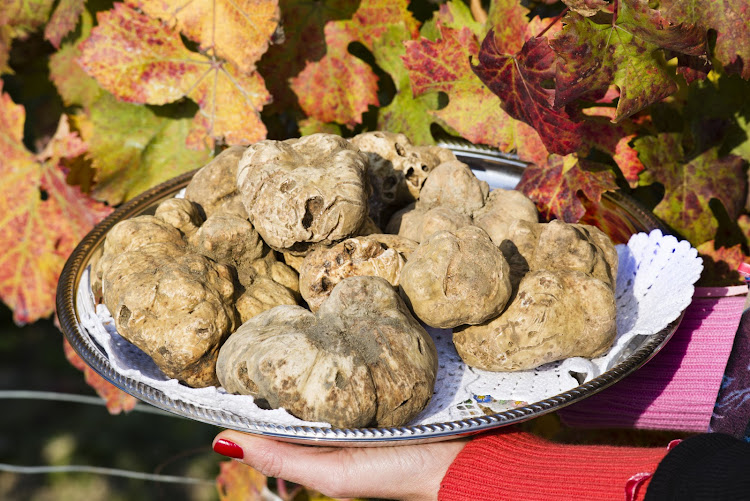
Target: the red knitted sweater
pixel 515 465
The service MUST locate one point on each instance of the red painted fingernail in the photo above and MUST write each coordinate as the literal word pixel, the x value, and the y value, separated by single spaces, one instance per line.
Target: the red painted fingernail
pixel 229 449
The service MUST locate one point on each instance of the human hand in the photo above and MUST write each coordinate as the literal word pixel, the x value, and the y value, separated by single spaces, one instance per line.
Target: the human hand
pixel 409 472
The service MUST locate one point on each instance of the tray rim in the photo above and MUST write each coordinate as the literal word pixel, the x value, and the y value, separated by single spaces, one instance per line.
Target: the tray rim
pixel 360 437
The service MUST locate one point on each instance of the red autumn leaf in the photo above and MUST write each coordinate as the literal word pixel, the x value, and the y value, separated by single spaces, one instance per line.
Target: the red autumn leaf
pixel 729 18
pixel 239 482
pixel 519 80
pixel 559 187
pixel 115 399
pixel 44 218
pixel 304 40
pixel 691 183
pixel 139 60
pixel 443 66
pixel 19 18
pixel 64 20
pixel 340 87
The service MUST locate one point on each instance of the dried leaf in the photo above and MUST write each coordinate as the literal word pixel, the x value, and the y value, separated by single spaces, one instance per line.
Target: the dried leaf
pixel 43 217
pixel 141 61
pixel 690 183
pixel 520 81
pixel 239 482
pixel 559 187
pixel 729 18
pixel 116 400
pixel 64 20
pixel 238 31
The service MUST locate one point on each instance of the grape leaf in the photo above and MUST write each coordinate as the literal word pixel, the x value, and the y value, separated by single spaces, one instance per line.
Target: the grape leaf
pixel 239 482
pixel 64 20
pixel 690 183
pixel 509 21
pixel 19 18
pixel 519 81
pixel 303 22
pixel 340 87
pixel 729 18
pixel 133 148
pixel 141 61
pixel 116 400
pixel 406 113
pixel 443 66
pixel 593 56
pixel 43 217
pixel 559 187
pixel 614 139
pixel 238 31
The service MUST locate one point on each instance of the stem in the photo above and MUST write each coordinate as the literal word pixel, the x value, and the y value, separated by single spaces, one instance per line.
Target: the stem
pixel 556 19
pixel 615 7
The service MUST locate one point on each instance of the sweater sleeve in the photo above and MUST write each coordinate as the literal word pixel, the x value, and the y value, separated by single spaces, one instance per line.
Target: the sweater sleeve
pixel 712 466
pixel 518 465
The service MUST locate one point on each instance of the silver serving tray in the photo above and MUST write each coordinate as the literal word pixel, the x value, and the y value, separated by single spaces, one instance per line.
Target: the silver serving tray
pixel 500 171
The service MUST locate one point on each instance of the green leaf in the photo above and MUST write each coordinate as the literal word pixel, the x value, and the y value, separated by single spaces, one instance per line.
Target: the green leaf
pixel 133 148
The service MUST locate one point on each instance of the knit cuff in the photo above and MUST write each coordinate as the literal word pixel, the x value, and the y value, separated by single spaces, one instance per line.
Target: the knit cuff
pixel 517 465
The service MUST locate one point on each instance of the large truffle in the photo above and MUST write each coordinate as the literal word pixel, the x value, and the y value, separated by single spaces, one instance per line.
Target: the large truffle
pixel 323 269
pixel 564 306
pixel 362 360
pixel 456 278
pixel 175 306
pixel 555 315
pixel 304 192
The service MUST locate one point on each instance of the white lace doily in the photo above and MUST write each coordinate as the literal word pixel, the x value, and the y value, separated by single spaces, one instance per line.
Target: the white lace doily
pixel 654 285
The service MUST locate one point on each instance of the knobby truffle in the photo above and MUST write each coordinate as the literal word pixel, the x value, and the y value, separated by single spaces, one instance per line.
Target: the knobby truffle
pixel 362 360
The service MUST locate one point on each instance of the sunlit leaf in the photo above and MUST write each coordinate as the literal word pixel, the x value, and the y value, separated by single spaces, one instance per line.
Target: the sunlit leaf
pixel 238 31
pixel 43 218
pixel 521 82
pixel 720 265
pixel 340 87
pixel 729 18
pixel 593 56
pixel 443 66
pixel 139 60
pixel 19 18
